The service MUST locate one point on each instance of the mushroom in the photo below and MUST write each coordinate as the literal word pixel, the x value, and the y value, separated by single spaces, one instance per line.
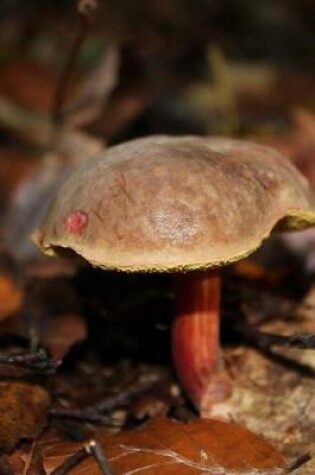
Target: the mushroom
pixel 187 206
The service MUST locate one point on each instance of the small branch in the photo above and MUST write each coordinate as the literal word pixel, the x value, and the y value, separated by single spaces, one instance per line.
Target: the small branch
pixel 98 453
pixel 299 462
pixel 88 414
pixel 86 9
pixel 39 360
pixel 302 341
pixel 92 448
pixel 94 412
pixel 71 462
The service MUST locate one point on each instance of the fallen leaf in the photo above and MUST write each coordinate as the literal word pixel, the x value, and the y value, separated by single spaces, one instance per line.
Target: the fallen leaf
pixel 12 292
pixel 166 447
pixel 27 458
pixel 19 460
pixel 11 296
pixel 28 84
pixel 23 412
pixel 252 270
pixel 52 323
pixel 56 336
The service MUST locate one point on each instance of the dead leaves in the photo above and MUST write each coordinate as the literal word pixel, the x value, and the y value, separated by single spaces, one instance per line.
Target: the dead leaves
pixel 56 335
pixel 23 412
pixel 165 447
pixel 11 296
pixel 28 84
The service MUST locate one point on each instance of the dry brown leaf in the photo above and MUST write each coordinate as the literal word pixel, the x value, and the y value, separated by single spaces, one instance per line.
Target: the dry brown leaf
pixel 20 459
pixel 11 296
pixel 27 458
pixel 166 447
pixel 28 84
pixel 252 270
pixel 23 412
pixel 52 328
pixel 61 332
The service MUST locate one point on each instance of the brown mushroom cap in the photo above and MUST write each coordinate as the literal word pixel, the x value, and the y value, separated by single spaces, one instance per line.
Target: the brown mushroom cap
pixel 176 203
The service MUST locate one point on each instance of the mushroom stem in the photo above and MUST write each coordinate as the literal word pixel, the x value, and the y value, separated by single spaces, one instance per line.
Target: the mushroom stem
pixel 195 339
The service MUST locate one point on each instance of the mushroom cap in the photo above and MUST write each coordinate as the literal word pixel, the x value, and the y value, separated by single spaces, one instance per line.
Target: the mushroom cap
pixel 176 203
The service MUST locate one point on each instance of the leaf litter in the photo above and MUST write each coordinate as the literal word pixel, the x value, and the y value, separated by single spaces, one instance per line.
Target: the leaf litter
pixel 274 391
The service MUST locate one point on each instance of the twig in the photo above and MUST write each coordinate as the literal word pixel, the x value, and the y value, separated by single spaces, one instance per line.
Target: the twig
pixel 303 341
pixel 97 451
pixel 299 462
pixel 93 413
pixel 85 10
pixel 71 462
pixel 91 448
pixel 39 360
pixel 88 414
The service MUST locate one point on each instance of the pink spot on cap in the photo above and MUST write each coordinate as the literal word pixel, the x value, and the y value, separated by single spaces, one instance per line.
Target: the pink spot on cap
pixel 76 222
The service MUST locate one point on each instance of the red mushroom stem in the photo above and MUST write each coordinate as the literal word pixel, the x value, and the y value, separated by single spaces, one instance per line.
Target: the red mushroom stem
pixel 196 338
